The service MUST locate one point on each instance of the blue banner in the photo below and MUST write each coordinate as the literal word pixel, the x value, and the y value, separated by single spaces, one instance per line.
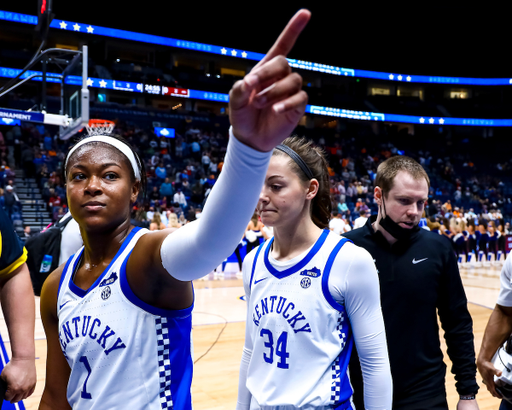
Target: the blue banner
pixel 21 115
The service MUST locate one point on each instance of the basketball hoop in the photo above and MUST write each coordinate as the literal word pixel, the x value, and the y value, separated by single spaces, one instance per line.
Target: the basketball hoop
pixel 100 127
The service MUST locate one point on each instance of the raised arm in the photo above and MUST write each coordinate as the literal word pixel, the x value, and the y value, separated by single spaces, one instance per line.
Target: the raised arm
pixel 265 107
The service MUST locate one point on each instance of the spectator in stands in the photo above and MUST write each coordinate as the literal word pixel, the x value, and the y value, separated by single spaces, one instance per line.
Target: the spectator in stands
pixel 195 147
pixel 470 215
pixel 150 213
pixel 179 198
pixel 173 222
pixel 166 188
pixel 457 195
pixel 160 172
pixel 205 161
pixel 27 160
pixel 351 192
pixel 154 196
pixel 447 207
pixel 182 220
pixel 27 232
pixel 176 208
pixel 432 209
pixel 156 223
pixel 337 224
pixel 11 200
pixel 342 191
pixel 361 220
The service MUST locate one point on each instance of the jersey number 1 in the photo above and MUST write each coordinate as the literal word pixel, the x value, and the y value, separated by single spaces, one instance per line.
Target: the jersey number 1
pixel 85 394
pixel 280 348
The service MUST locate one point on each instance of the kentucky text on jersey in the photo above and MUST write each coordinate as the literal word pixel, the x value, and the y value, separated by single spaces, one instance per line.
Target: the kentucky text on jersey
pixel 280 309
pixel 83 326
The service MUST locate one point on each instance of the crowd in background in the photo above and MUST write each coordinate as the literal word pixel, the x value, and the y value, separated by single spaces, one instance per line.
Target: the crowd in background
pixel 181 172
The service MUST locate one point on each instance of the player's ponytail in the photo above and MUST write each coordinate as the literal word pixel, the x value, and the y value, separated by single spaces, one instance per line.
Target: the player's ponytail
pixel 313 158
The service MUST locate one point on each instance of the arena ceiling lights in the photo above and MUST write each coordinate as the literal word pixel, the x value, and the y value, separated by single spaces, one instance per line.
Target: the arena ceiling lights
pixel 8 115
pixel 249 55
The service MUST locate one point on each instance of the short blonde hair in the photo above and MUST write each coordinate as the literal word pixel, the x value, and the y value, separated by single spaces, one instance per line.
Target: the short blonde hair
pixel 388 170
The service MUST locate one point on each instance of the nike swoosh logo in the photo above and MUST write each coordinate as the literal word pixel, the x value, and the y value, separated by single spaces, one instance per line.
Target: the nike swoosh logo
pixel 260 280
pixel 61 306
pixel 414 261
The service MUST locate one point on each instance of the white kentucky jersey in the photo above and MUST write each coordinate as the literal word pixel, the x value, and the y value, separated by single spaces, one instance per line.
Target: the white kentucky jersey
pixel 301 336
pixel 123 353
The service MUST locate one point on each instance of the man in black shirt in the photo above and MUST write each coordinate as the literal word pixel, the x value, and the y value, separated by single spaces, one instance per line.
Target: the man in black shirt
pixel 419 279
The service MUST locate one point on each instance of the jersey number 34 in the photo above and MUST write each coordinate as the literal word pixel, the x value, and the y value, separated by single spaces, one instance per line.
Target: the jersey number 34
pixel 280 348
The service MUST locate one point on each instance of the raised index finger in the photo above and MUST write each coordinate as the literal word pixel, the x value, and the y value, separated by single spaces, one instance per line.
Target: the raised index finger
pixel 288 36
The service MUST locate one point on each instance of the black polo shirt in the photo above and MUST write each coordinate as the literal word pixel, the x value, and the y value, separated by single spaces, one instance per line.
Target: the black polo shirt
pixel 419 279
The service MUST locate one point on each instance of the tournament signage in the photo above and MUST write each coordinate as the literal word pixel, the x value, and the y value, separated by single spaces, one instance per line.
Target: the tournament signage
pixel 21 115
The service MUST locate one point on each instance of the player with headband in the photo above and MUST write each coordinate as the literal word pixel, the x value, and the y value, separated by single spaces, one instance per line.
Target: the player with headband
pixel 310 296
pixel 117 315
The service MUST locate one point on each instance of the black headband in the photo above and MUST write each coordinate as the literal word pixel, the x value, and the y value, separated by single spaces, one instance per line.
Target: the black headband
pixel 298 160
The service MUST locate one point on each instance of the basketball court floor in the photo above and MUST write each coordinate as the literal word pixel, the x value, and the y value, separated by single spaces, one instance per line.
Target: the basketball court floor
pixel 219 329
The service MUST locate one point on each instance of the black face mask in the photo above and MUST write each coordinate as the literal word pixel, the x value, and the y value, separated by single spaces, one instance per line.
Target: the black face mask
pixel 395 230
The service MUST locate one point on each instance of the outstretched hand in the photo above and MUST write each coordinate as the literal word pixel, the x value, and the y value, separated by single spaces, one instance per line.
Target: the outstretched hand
pixel 267 104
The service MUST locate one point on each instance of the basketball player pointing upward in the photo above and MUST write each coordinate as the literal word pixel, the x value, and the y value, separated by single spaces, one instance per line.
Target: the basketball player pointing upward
pixel 310 295
pixel 117 316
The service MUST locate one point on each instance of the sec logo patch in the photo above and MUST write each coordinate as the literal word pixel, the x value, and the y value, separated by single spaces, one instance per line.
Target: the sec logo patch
pixel 305 282
pixel 105 293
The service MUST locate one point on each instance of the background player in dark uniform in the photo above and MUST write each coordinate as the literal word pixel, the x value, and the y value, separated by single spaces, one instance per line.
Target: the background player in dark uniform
pixel 419 278
pixel 19 309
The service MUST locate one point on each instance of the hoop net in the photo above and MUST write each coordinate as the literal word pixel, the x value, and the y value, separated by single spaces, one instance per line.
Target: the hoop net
pixel 100 127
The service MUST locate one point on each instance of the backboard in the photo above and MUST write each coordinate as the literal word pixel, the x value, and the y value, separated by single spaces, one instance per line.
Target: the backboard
pixel 74 97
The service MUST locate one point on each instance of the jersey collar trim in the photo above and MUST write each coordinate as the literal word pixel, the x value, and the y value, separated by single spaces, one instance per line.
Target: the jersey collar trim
pixel 80 292
pixel 290 271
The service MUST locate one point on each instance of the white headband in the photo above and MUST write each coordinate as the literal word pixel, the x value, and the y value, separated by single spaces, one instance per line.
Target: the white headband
pixel 116 144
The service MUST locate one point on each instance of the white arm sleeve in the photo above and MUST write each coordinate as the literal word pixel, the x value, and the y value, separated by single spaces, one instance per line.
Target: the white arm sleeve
pixel 244 395
pixel 505 296
pixel 197 248
pixel 354 283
